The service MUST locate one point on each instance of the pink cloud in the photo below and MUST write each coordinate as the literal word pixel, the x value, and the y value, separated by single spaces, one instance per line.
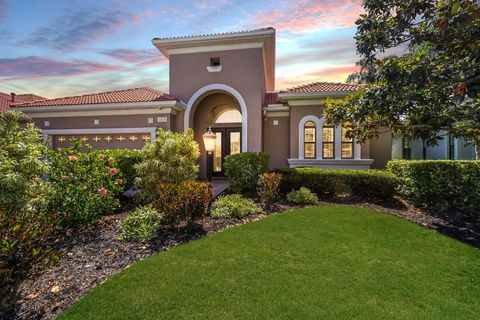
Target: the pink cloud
pixel 334 74
pixel 38 67
pixel 300 16
pixel 142 58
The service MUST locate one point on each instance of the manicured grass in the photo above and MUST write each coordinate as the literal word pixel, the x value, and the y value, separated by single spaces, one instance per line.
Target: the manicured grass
pixel 335 262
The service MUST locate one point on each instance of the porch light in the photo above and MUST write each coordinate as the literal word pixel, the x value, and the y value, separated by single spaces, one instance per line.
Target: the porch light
pixel 209 140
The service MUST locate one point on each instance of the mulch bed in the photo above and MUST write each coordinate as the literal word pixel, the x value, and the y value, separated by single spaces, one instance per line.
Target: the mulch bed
pixel 88 257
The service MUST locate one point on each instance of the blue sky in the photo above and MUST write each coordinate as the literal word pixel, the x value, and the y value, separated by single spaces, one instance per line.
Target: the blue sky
pixel 61 48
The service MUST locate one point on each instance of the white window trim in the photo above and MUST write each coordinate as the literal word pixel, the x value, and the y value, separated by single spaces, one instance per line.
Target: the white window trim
pixel 357 151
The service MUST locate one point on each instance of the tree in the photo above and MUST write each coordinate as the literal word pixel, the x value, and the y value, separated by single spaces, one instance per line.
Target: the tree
pixel 431 88
pixel 171 158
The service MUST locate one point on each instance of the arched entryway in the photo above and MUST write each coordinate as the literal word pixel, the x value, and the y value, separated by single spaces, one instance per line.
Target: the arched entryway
pixel 221 111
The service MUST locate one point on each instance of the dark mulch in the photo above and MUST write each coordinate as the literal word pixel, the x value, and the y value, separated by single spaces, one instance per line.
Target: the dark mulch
pixel 88 257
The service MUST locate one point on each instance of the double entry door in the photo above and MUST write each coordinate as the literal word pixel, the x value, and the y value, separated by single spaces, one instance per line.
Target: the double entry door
pixel 229 141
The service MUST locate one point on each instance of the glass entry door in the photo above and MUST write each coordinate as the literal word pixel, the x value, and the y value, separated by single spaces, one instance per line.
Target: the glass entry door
pixel 229 141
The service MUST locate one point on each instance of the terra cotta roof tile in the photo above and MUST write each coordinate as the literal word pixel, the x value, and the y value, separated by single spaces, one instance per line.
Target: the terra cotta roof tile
pixel 120 96
pixel 315 87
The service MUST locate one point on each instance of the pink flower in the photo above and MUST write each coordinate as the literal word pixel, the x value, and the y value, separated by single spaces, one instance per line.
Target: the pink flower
pixel 113 171
pixel 118 181
pixel 72 158
pixel 102 191
pixel 101 156
pixel 111 160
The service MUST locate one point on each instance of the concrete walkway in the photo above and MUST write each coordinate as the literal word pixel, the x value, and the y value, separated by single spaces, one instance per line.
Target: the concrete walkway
pixel 219 185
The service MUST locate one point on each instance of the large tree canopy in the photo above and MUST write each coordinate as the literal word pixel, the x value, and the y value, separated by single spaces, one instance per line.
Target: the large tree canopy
pixel 431 88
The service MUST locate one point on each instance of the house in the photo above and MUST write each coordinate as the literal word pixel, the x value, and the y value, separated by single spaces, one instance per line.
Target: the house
pixel 226 82
pixel 7 99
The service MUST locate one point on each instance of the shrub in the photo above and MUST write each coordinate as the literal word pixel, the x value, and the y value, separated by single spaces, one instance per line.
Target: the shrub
pixel 142 224
pixel 367 184
pixel 23 229
pixel 269 187
pixel 439 183
pixel 243 169
pixel 22 163
pixel 234 205
pixel 171 158
pixel 84 184
pixel 125 161
pixel 184 201
pixel 302 196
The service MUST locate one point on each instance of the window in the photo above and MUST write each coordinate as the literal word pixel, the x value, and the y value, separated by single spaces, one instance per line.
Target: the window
pixel 309 138
pixel 406 148
pixel 451 147
pixel 347 144
pixel 229 116
pixel 214 61
pixel 328 146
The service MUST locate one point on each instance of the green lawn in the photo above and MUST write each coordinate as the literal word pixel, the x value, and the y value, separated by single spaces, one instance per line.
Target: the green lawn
pixel 334 262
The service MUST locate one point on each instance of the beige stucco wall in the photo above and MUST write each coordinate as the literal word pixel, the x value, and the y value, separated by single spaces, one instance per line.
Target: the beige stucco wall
pixel 277 140
pixel 124 121
pixel 241 69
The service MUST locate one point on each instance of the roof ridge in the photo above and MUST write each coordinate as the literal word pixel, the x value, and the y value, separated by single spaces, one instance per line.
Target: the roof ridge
pixel 214 34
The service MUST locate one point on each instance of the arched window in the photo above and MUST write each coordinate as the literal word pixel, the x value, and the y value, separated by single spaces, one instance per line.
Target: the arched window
pixel 229 116
pixel 309 138
pixel 347 144
pixel 328 142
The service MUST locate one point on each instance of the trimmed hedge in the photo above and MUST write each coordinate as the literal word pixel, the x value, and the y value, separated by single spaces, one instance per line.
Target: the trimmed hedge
pixel 243 170
pixel 439 183
pixel 125 160
pixel 367 184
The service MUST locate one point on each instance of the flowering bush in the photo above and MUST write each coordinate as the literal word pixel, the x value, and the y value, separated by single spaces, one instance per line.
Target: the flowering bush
pixel 125 161
pixel 235 206
pixel 84 184
pixel 184 201
pixel 268 187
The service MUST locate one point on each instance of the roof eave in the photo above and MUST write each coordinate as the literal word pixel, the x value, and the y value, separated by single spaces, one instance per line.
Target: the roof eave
pixel 104 106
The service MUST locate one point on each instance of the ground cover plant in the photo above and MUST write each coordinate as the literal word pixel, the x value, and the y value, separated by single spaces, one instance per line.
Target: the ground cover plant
pixel 313 263
pixel 235 206
pixel 141 225
pixel 302 196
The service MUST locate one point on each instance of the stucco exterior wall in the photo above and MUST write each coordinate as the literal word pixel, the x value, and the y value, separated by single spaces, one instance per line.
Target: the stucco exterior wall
pixel 241 69
pixel 124 121
pixel 277 140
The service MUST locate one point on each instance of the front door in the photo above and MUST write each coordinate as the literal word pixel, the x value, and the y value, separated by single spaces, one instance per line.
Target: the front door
pixel 228 142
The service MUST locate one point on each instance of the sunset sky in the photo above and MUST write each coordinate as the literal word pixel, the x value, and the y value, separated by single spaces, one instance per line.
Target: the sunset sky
pixel 61 48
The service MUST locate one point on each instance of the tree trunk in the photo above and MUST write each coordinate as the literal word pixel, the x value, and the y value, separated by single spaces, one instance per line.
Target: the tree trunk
pixel 477 151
